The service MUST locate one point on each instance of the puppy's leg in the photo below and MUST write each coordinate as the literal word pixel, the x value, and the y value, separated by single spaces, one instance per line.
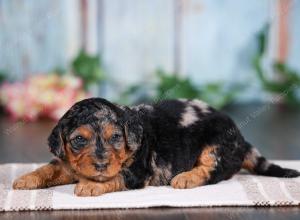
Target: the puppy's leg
pixel 52 174
pixel 92 188
pixel 200 174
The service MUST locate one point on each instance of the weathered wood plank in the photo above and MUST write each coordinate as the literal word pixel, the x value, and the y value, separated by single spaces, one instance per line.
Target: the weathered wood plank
pixel 294 26
pixel 33 36
pixel 218 35
pixel 138 38
pixel 206 40
pixel 218 39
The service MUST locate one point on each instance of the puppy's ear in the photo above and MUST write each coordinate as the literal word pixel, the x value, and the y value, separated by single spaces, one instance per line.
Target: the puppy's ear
pixel 133 130
pixel 55 142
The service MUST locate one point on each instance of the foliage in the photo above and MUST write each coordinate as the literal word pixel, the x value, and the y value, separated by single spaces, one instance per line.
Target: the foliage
pixel 219 95
pixel 288 80
pixel 88 68
pixel 135 94
pixel 59 71
pixel 3 77
pixel 172 86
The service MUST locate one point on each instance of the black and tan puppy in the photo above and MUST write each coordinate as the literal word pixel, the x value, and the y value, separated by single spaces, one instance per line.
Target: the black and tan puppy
pixel 103 147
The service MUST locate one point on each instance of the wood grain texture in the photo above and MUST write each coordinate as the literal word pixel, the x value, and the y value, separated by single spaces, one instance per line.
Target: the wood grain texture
pixel 219 38
pixel 206 40
pixel 163 213
pixel 138 38
pixel 32 36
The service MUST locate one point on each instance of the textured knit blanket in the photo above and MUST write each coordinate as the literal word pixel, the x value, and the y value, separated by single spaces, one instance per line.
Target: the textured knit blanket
pixel 242 190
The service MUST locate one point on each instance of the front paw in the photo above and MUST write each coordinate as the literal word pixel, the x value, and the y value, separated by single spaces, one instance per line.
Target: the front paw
pixel 186 180
pixel 27 182
pixel 89 189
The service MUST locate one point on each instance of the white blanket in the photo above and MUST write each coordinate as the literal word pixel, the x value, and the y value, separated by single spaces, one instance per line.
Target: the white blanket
pixel 242 190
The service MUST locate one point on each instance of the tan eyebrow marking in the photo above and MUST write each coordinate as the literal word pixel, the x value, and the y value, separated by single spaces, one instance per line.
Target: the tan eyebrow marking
pixel 108 131
pixel 84 131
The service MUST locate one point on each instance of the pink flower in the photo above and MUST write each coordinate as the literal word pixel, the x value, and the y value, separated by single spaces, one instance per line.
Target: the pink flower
pixel 41 96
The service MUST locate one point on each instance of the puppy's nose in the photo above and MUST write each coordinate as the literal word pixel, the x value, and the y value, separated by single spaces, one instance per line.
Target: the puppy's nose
pixel 101 166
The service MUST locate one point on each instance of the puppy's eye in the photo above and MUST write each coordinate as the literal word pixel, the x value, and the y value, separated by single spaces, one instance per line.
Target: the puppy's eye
pixel 115 138
pixel 79 138
pixel 78 142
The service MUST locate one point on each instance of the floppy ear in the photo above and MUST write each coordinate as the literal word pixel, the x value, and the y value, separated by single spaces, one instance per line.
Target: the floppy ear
pixel 133 130
pixel 55 143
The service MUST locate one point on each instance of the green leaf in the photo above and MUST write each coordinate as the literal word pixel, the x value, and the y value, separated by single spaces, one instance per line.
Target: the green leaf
pixel 171 86
pixel 219 95
pixel 88 68
pixel 3 76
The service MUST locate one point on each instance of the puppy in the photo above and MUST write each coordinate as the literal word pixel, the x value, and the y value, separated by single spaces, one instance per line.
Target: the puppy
pixel 103 147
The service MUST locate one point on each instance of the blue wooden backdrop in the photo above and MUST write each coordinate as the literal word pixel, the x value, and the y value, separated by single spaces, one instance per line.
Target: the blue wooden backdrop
pixel 208 40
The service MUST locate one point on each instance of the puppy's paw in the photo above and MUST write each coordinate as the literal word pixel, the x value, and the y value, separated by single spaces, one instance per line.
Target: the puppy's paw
pixel 89 188
pixel 186 180
pixel 28 181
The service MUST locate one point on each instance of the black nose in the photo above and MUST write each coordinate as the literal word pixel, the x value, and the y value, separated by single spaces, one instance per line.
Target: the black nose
pixel 100 166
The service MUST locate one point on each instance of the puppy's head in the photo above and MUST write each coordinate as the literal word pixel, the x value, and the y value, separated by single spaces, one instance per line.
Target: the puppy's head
pixel 96 138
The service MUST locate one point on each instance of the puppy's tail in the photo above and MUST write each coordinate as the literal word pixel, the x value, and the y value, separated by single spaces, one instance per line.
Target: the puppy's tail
pixel 257 164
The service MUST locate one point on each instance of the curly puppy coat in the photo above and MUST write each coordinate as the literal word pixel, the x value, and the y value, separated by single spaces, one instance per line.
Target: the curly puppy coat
pixel 104 147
